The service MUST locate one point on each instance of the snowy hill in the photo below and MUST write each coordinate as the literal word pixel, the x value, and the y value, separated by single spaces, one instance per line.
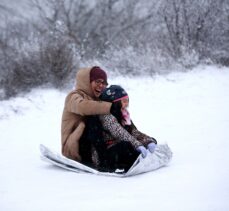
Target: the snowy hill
pixel 189 111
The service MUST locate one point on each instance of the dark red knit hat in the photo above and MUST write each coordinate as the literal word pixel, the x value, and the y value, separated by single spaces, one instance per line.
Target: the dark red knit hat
pixel 97 73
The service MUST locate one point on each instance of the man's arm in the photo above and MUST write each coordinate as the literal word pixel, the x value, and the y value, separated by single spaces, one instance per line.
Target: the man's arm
pixel 79 105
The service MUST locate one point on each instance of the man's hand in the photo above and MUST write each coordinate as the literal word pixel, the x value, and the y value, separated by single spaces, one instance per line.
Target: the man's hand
pixel 72 151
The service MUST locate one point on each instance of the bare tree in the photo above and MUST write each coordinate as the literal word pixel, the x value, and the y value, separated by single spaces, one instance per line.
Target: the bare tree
pixel 190 24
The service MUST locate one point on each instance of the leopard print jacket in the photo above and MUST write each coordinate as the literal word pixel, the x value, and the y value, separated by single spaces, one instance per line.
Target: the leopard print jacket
pixel 115 132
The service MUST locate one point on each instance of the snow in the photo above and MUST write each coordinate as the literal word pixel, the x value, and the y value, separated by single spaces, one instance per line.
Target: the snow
pixel 189 111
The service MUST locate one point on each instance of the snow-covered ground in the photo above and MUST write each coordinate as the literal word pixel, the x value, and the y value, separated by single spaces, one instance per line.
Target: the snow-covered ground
pixel 189 111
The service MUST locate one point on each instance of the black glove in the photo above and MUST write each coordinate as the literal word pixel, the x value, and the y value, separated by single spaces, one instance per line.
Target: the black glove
pixel 153 140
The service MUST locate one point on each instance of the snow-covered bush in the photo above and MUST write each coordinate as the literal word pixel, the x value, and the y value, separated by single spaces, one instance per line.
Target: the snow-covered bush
pixel 134 61
pixel 30 59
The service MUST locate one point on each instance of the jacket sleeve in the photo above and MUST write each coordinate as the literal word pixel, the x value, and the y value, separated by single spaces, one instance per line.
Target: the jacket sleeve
pixel 143 138
pixel 111 125
pixel 82 106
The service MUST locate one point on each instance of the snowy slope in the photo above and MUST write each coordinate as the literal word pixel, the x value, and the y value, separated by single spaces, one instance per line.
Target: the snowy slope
pixel 189 111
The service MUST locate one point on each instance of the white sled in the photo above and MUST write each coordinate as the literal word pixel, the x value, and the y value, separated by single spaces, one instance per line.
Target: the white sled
pixel 161 157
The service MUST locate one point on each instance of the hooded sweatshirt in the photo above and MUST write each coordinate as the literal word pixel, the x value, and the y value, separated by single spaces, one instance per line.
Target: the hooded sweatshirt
pixel 78 104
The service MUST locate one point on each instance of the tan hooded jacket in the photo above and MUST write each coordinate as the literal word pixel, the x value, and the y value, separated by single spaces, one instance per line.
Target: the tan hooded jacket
pixel 78 104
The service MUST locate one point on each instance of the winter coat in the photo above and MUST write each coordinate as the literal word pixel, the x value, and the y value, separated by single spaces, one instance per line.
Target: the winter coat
pixel 78 104
pixel 115 132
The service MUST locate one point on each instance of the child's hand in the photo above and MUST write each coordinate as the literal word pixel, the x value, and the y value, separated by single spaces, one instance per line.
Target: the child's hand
pixel 142 150
pixel 151 147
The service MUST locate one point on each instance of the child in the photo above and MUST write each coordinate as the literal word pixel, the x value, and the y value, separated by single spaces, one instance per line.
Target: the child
pixel 121 136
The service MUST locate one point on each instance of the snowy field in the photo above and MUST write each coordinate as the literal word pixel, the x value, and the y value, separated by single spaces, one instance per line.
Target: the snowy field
pixel 189 111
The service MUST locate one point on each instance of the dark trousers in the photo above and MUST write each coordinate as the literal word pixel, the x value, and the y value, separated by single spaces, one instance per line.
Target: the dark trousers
pixel 121 156
pixel 92 137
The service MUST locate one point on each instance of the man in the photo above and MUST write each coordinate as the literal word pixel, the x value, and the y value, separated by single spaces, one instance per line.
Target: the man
pixel 81 102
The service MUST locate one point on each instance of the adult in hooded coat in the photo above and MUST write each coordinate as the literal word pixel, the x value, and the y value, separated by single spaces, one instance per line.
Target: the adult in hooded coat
pixel 80 103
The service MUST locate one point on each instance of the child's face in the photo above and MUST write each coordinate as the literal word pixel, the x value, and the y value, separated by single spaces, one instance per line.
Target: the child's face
pixel 125 103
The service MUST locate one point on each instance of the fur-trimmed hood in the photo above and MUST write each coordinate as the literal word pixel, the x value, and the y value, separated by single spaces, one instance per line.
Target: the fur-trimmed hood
pixel 83 81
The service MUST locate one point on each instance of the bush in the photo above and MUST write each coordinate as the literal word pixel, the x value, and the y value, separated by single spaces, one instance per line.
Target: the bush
pixel 45 60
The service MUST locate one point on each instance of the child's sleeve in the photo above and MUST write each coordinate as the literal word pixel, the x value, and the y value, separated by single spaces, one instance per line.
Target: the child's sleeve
pixel 143 138
pixel 118 133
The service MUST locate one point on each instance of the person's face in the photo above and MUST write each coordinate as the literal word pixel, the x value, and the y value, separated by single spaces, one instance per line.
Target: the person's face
pixel 125 103
pixel 98 86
